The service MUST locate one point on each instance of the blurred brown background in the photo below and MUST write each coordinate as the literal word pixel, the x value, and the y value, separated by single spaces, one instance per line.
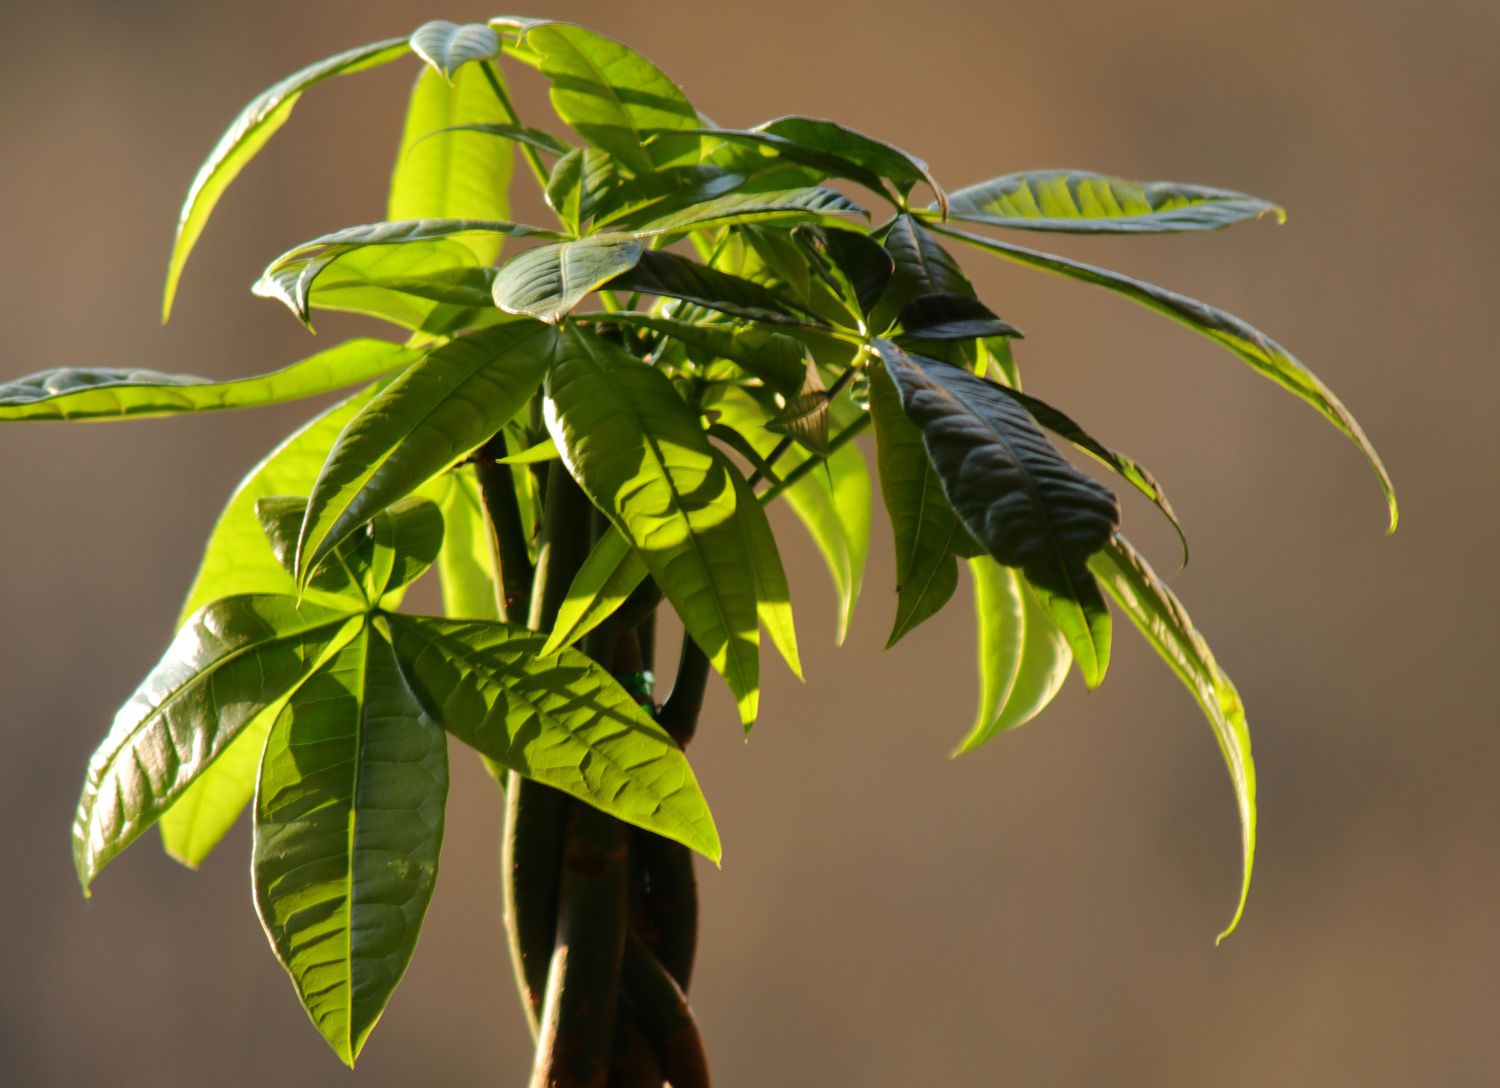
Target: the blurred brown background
pixel 1040 913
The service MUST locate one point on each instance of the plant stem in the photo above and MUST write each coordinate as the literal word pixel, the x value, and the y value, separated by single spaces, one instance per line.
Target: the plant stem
pixel 498 491
pixel 510 115
pixel 840 440
pixel 663 1013
pixel 669 907
pixel 679 714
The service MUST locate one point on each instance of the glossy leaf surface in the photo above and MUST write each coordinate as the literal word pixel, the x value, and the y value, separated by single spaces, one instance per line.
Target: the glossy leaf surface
pixel 774 358
pixel 1160 617
pixel 887 160
pixel 348 824
pixel 560 720
pixel 1082 202
pixel 741 207
pixel 75 393
pixel 641 455
pixel 772 594
pixel 608 576
pixel 673 276
pixel 549 281
pixel 448 46
pixel 1264 355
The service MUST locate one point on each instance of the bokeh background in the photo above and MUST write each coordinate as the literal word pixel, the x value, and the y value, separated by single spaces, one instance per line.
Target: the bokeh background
pixel 1039 913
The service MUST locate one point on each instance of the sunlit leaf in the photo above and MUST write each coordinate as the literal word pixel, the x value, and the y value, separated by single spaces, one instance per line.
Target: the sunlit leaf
pixel 466 564
pixel 521 134
pixel 1156 611
pixel 256 124
pixel 579 183
pixel 348 825
pixel 737 207
pixel 903 169
pixel 448 46
pixel 772 594
pixel 549 281
pixel 674 276
pixel 608 576
pixel 774 358
pixel 1082 202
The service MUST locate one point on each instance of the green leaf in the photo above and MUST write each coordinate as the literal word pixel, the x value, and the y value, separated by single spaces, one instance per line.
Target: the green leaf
pixel 1023 657
pixel 415 287
pixel 683 213
pixel 848 479
pixel 641 456
pixel 578 185
pixel 608 576
pixel 1127 467
pixel 952 317
pixel 863 263
pixel 256 124
pixel 549 281
pixel 206 811
pixel 903 169
pixel 231 660
pixel 1156 611
pixel 453 174
pixel 615 98
pixel 773 357
pixel 236 559
pixel 521 134
pixel 674 276
pixel 466 564
pixel 448 46
pixel 1014 493
pixel 290 278
pixel 1264 355
pixel 922 267
pixel 772 594
pixel 102 393
pixel 348 824
pixel 560 720
pixel 434 415
pixel 1082 202
pixel 669 189
pixel 753 151
pixel 924 527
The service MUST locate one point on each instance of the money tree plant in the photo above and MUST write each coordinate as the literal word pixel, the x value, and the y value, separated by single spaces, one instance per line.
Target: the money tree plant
pixel 579 424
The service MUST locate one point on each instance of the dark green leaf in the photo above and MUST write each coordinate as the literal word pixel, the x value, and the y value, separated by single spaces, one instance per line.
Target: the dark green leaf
pixel 615 98
pixel 230 661
pixel 428 419
pixel 75 393
pixel 866 266
pixel 641 456
pixel 549 281
pixel 672 276
pixel 1156 611
pixel 952 317
pixel 774 358
pixel 754 151
pixel 1023 657
pixel 560 720
pixel 665 190
pixel 448 46
pixel 887 160
pixel 1081 202
pixel 922 267
pixel 1014 493
pixel 348 825
pixel 680 214
pixel 1264 355
pixel 256 124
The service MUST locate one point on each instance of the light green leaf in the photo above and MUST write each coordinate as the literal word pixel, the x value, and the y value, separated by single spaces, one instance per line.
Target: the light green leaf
pixel 1156 611
pixel 448 46
pixel 452 174
pixel 774 358
pixel 773 596
pixel 348 824
pixel 521 134
pixel 641 456
pixel 560 720
pixel 608 576
pixel 422 286
pixel 103 393
pixel 249 132
pixel 549 281
pixel 578 185
pixel 1082 202
pixel 431 417
pixel 615 98
pixel 466 565
pixel 200 818
pixel 1264 355
pixel 1023 657
pixel 676 216
pixel 232 659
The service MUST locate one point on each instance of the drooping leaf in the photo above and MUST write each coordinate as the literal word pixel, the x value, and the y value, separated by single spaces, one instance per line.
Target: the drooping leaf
pixel 579 183
pixel 952 317
pixel 608 576
pixel 1023 657
pixel 1264 355
pixel 615 98
pixel 641 456
pixel 1159 615
pixel 289 279
pixel 448 46
pixel 903 169
pixel 752 151
pixel 774 358
pixel 230 660
pixel 737 207
pixel 445 172
pixel 772 594
pixel 431 417
pixel 348 824
pixel 1082 202
pixel 1014 493
pixel 256 124
pixel 549 281
pixel 103 393
pixel 560 720
pixel 924 527
pixel 673 276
